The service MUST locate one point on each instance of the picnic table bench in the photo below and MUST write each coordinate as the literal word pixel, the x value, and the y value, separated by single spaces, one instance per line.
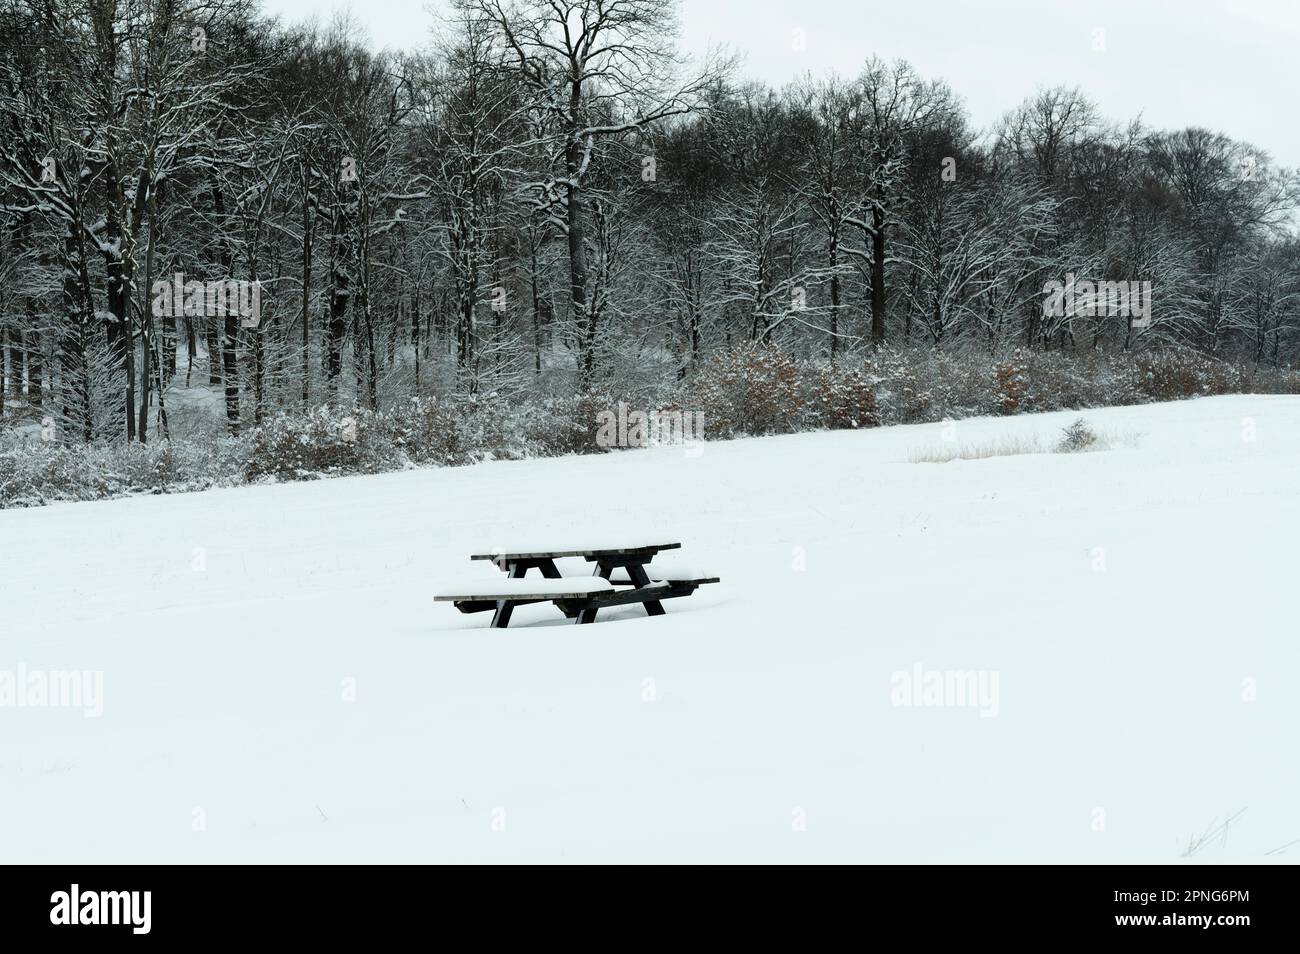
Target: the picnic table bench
pixel 620 578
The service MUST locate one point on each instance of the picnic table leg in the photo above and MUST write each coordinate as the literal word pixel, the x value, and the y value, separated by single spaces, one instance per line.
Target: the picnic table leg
pixel 501 618
pixel 636 573
pixel 548 569
pixel 589 615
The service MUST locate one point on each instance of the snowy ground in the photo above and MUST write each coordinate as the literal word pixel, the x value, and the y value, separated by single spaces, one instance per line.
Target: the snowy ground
pixel 279 685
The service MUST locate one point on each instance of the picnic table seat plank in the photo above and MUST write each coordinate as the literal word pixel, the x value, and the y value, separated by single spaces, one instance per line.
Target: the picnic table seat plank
pixel 522 588
pixel 668 572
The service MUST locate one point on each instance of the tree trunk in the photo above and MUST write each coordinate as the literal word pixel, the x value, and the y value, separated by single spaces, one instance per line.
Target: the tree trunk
pixel 834 262
pixel 877 276
pixel 230 370
pixel 584 320
pixel 191 348
pixel 170 336
pixel 147 322
pixel 415 331
pixel 537 306
pixel 17 358
pixel 213 332
pixel 306 294
pixel 75 390
pixel 229 326
pixel 146 374
pixel 339 293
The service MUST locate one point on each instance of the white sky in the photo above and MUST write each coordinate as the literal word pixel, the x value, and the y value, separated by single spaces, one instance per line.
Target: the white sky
pixel 1229 65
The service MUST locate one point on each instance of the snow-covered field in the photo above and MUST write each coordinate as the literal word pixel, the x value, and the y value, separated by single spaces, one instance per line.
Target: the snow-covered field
pixel 277 683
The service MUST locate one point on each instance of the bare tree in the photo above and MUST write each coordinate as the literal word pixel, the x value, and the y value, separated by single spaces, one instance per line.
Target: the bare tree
pixel 598 69
pixel 895 104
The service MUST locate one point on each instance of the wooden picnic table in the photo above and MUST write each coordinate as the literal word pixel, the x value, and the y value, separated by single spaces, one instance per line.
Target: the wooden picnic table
pixel 633 559
pixel 578 600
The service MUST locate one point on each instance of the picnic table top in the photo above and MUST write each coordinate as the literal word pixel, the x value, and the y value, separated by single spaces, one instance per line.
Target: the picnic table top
pixel 539 553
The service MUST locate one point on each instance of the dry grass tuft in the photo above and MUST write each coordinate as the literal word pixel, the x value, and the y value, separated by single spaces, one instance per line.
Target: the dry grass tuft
pixel 1078 438
pixel 1004 447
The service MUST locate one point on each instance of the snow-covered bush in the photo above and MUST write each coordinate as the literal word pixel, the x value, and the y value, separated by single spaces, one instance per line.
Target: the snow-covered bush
pixel 441 432
pixel 320 443
pixel 34 472
pixel 903 396
pixel 422 431
pixel 751 389
pixel 175 466
pixel 1012 381
pixel 1060 381
pixel 565 424
pixel 491 427
pixel 959 385
pixel 1271 381
pixel 840 396
pixel 1171 374
pixel 1078 436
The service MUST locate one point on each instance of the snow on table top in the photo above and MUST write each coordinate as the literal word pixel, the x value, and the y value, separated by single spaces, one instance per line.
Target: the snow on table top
pixel 524 588
pixel 574 547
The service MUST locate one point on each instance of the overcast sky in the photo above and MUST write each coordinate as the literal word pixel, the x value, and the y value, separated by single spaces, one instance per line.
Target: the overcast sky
pixel 1230 65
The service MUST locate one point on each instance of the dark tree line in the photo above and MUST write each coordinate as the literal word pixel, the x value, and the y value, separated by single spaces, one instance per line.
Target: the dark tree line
pixel 550 198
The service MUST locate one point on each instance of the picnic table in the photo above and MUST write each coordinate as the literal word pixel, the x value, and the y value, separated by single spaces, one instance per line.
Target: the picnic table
pixel 622 576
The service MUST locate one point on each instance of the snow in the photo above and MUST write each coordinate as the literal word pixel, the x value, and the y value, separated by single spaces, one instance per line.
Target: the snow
pixel 571 545
pixel 278 685
pixel 528 588
pixel 666 569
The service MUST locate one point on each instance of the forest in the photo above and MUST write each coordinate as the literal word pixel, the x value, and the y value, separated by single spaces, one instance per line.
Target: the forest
pixel 546 205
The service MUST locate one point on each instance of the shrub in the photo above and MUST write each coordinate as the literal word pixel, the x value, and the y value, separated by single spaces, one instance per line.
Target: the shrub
pixel 961 386
pixel 566 424
pixel 1272 381
pixel 1060 381
pixel 903 397
pixel 424 432
pixel 752 389
pixel 1012 382
pixel 1171 374
pixel 1078 436
pixel 316 444
pixel 34 472
pixel 841 397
